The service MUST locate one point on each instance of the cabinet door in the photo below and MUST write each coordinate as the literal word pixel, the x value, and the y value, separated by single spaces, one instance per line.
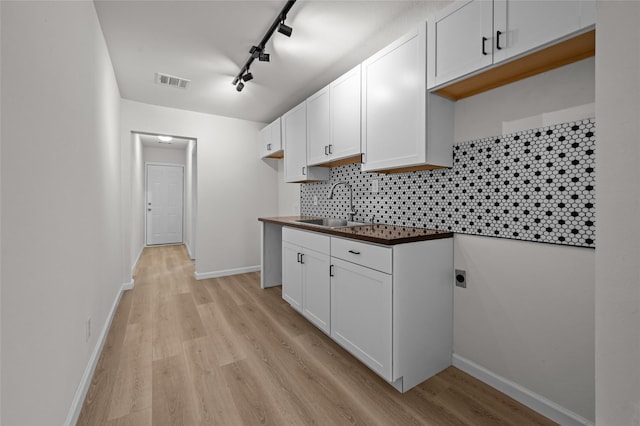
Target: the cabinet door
pixel 345 115
pixel 361 314
pixel 393 104
pixel 520 26
pixel 460 41
pixel 294 135
pixel 265 141
pixel 318 127
pixel 316 306
pixel 276 136
pixel 292 275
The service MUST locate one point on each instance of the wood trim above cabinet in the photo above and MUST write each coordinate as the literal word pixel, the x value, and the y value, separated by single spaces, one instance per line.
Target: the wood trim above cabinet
pixel 566 52
pixel 343 161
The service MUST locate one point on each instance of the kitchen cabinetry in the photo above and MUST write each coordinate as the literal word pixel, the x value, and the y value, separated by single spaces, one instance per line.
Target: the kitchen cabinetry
pixel 390 306
pixel 333 118
pixel 474 34
pixel 271 141
pixel 294 136
pixel 305 275
pixel 403 127
pixel 361 310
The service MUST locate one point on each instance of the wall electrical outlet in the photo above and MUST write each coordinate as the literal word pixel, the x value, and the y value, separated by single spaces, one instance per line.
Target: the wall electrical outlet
pixel 375 186
pixel 88 329
pixel 461 278
pixel 315 200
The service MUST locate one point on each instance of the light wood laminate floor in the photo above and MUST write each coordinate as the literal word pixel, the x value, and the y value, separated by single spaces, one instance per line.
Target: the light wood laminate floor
pixel 225 352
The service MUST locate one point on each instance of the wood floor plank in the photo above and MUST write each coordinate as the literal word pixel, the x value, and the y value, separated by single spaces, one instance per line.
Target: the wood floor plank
pixel 138 418
pixel 167 335
pixel 214 402
pixel 187 316
pixel 227 344
pixel 173 396
pixel 132 387
pixel 254 403
pixel 224 351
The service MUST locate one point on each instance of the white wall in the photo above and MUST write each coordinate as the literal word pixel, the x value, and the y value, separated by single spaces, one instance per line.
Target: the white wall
pixel 527 314
pixel 61 234
pixel 234 187
pixel 164 155
pixel 617 212
pixel 136 215
pixel 288 193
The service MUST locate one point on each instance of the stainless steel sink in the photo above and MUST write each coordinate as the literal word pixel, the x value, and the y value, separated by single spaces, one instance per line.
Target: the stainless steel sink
pixel 330 222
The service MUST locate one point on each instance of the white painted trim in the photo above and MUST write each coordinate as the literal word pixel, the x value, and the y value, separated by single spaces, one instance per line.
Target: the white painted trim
pixel 128 286
pixel 135 262
pixel 186 244
pixel 521 394
pixel 224 273
pixel 87 376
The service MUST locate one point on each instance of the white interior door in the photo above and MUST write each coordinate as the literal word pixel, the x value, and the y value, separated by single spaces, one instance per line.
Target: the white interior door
pixel 164 204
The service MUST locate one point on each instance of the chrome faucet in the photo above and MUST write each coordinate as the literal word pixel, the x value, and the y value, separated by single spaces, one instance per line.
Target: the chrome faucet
pixel 352 211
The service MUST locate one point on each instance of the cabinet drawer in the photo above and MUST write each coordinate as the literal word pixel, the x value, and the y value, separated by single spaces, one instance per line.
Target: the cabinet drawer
pixel 369 255
pixel 309 240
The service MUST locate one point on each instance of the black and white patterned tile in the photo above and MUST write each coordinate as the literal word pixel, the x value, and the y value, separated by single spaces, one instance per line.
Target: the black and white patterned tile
pixel 534 185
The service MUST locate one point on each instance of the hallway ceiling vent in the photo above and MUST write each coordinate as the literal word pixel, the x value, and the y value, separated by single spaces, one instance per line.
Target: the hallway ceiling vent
pixel 172 80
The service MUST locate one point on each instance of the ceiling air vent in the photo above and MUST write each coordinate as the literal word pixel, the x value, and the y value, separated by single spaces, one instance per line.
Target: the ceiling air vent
pixel 171 80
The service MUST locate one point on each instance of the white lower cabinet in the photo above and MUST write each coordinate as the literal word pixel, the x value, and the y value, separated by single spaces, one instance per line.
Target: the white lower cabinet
pixel 390 306
pixel 361 314
pixel 305 275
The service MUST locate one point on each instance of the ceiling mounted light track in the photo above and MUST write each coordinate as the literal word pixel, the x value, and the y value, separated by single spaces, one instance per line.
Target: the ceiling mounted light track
pixel 257 52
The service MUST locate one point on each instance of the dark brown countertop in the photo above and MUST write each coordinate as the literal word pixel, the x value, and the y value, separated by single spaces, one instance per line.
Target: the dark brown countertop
pixel 378 233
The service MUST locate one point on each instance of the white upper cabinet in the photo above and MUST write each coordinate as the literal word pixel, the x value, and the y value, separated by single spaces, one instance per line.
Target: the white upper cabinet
pixel 318 127
pixel 333 121
pixel 460 41
pixel 520 26
pixel 271 141
pixel 294 136
pixel 474 34
pixel 345 116
pixel 403 127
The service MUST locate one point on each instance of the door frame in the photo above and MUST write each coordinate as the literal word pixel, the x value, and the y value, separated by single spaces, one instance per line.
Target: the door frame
pixel 146 192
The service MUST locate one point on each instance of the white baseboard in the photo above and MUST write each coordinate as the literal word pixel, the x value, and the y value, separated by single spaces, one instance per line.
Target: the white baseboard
pixel 224 273
pixel 524 396
pixel 128 286
pixel 189 250
pixel 87 376
pixel 135 262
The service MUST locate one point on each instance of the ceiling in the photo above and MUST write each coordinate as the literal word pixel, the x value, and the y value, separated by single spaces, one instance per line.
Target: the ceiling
pixel 208 42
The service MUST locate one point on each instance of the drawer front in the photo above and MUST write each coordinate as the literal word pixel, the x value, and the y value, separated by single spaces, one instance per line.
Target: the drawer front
pixel 310 240
pixel 368 255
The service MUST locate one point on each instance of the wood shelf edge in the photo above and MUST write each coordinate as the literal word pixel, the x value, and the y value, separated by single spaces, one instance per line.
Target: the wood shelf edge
pixel 574 49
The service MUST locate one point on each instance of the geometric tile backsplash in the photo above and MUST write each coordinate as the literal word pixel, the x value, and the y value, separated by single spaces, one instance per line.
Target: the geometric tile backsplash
pixel 535 185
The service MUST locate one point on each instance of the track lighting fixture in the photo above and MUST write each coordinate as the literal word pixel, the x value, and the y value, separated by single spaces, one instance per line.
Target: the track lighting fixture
pixel 257 51
pixel 284 29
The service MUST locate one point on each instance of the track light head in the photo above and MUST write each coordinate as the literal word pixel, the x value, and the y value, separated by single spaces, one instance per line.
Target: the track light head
pixel 236 80
pixel 240 86
pixel 284 29
pixel 255 51
pixel 263 57
pixel 248 76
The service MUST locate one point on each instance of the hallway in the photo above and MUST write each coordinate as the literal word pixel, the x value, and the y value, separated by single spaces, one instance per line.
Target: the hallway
pixel 223 351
